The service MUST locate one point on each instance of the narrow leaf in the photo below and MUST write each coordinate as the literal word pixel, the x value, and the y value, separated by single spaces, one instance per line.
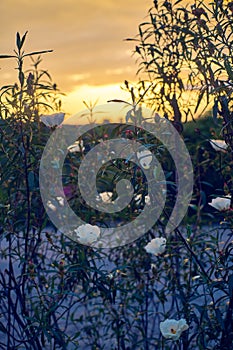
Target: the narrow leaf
pixel 37 53
pixel 228 68
pixel 230 285
pixel 23 38
pixel 215 111
pixel 18 41
pixel 7 56
pixel 121 101
pixel 199 100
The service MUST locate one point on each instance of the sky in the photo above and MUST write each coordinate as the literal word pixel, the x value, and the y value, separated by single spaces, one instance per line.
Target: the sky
pixel 91 59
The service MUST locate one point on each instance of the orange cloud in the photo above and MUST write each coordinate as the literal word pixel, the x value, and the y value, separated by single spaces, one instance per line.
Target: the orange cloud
pixel 87 37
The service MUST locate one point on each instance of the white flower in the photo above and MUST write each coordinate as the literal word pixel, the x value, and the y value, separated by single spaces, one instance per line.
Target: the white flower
pixel 147 200
pixel 110 276
pixel 138 199
pixel 218 145
pixel 87 234
pixel 194 278
pixel 106 197
pixel 60 201
pixel 76 147
pixel 221 203
pixel 145 158
pixel 156 246
pixel 51 206
pixel 172 329
pixel 53 119
pixel 153 268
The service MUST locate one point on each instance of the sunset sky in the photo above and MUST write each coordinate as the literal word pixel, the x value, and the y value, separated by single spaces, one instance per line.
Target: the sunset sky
pixel 91 59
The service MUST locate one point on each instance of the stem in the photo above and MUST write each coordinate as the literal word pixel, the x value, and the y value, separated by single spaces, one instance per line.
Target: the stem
pixel 227 334
pixel 192 254
pixel 9 296
pixel 146 316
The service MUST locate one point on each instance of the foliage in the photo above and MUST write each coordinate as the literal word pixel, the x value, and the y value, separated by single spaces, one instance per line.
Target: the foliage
pixel 58 294
pixel 185 52
pixel 212 171
pixel 40 274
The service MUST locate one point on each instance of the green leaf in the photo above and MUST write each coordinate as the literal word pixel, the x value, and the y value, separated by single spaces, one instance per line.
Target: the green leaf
pixel 2 328
pixel 199 100
pixel 219 318
pixel 23 39
pixel 31 180
pixel 37 53
pixel 230 285
pixel 120 101
pixel 228 68
pixel 215 111
pixel 21 78
pixel 7 56
pixel 203 197
pixel 18 41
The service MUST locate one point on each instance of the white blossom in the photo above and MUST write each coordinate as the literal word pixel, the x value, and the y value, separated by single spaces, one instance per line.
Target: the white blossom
pixel 138 199
pixel 60 201
pixel 76 147
pixel 87 234
pixel 147 199
pixel 218 145
pixel 51 206
pixel 172 329
pixel 221 203
pixel 110 276
pixel 106 197
pixel 156 246
pixel 145 158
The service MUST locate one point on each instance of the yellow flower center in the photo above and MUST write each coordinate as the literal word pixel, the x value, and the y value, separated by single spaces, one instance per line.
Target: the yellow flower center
pixel 173 331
